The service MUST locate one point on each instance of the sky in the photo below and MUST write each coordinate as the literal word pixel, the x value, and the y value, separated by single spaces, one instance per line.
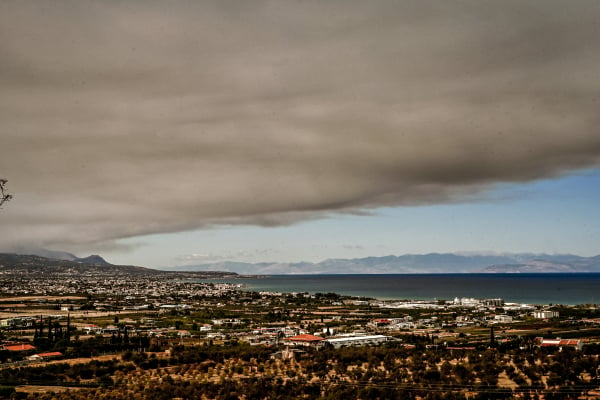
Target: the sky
pixel 172 133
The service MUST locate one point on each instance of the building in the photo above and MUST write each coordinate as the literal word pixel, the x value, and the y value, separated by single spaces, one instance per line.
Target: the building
pixel 287 354
pixel 305 340
pixel 17 322
pixel 546 314
pixel 91 329
pixel 493 302
pixel 466 301
pixel 45 356
pixel 503 318
pixel 357 340
pixel 19 347
pixel 380 322
pixel 560 343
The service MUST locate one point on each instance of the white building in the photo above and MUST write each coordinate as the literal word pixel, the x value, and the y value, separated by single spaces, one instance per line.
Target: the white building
pixel 503 318
pixel 545 314
pixel 467 301
pixel 357 340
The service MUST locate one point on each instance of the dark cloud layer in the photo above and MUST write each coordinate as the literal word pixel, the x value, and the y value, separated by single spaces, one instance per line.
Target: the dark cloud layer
pixel 120 119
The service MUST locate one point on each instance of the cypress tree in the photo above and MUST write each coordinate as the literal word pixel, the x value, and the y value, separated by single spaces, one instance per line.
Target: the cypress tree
pixel 50 329
pixel 68 333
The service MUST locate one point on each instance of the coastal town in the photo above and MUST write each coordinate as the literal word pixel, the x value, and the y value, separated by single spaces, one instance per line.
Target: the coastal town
pixel 153 327
pixel 299 200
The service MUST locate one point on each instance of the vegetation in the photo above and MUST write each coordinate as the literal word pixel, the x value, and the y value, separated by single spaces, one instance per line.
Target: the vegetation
pixel 386 372
pixel 4 196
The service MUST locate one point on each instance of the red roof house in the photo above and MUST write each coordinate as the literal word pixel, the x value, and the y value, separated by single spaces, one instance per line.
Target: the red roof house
pixel 305 340
pixel 51 354
pixel 19 347
pixel 46 356
pixel 576 343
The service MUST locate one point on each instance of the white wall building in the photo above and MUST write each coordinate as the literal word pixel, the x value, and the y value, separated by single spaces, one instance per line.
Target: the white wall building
pixel 503 318
pixel 357 340
pixel 545 314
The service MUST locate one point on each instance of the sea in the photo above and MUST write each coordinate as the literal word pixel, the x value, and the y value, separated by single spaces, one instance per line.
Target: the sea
pixel 522 288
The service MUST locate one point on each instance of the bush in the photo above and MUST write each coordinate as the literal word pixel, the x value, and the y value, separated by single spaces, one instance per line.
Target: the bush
pixel 6 391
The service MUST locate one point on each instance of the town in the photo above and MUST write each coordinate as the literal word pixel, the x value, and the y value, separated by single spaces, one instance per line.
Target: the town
pixel 136 335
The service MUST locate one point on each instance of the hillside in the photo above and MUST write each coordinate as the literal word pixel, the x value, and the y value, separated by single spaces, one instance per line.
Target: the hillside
pixel 32 264
pixel 35 264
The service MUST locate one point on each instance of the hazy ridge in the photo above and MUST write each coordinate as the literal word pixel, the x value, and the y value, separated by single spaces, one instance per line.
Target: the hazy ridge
pixel 414 263
pixel 391 264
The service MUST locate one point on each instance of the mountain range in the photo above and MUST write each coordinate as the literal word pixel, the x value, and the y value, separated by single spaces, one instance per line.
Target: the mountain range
pixel 414 263
pixel 39 259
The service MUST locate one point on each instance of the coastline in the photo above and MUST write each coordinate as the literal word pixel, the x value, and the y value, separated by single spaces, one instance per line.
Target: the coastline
pixel 523 288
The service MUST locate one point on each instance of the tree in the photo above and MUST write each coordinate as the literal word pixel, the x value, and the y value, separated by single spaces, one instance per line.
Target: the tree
pixel 4 197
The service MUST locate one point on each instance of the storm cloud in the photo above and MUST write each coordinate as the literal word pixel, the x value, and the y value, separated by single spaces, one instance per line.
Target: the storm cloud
pixel 120 119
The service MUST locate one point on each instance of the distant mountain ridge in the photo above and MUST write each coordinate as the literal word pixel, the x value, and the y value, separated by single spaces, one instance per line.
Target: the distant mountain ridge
pixel 62 255
pixel 391 264
pixel 414 264
pixel 559 264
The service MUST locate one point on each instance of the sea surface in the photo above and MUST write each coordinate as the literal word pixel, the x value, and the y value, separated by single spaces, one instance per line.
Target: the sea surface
pixel 547 288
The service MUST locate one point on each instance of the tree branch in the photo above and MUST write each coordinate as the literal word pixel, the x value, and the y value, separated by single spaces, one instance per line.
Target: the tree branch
pixel 4 197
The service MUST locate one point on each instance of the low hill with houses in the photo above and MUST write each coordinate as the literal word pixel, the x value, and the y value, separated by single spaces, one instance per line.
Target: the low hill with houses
pixel 33 264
